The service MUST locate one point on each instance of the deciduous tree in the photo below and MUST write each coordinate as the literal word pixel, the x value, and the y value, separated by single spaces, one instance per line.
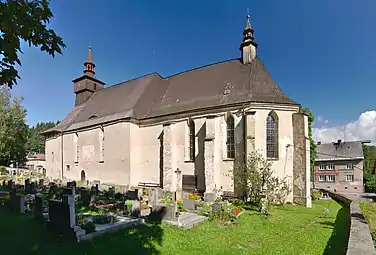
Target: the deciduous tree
pixel 24 20
pixel 13 130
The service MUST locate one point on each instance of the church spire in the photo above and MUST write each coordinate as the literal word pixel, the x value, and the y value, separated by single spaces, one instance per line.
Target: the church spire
pixel 248 46
pixel 89 65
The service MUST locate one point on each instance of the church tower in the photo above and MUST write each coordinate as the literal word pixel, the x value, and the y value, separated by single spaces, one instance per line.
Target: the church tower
pixel 248 46
pixel 87 84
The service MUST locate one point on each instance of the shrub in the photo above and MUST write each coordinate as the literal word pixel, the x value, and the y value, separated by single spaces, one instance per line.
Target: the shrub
pixel 256 175
pixel 3 170
pixel 315 195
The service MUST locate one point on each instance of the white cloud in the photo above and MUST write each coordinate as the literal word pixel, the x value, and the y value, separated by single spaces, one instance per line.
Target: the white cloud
pixel 319 118
pixel 364 128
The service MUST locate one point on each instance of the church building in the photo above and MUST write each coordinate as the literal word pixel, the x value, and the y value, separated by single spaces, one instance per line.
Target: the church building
pixel 182 132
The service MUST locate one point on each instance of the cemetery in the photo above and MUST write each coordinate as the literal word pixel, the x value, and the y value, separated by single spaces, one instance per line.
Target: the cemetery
pixel 85 212
pixel 148 220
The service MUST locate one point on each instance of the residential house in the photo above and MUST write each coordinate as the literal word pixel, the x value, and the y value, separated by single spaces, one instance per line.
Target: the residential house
pixel 339 166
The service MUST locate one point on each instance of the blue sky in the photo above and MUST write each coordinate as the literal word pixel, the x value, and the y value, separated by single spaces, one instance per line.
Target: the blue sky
pixel 322 53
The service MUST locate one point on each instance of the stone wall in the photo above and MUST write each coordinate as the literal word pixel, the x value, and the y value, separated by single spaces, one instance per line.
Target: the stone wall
pixel 301 161
pixel 360 239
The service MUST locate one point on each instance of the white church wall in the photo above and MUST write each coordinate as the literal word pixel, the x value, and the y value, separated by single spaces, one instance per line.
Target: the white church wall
pixel 53 157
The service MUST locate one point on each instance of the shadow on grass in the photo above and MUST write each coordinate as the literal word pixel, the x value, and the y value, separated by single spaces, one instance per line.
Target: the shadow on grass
pixel 24 235
pixel 338 241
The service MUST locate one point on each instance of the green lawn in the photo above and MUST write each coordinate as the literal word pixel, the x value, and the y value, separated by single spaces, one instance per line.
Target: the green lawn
pixel 369 211
pixel 288 230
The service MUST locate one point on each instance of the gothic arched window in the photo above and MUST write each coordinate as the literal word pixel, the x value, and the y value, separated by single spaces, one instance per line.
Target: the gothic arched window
pixel 191 126
pixel 272 135
pixel 230 142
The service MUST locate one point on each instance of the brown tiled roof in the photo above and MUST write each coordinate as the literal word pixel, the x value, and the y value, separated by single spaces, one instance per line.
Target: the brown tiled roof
pixel 150 96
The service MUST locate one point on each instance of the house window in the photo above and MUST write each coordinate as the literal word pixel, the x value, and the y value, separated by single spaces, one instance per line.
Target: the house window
pixel 68 167
pixel 331 178
pixel 230 137
pixel 321 167
pixel 272 135
pixel 191 125
pixel 53 156
pixel 330 167
pixel 350 178
pixel 322 178
pixel 349 166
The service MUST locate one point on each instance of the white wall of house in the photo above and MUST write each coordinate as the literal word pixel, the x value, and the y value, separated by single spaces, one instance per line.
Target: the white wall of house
pixel 132 154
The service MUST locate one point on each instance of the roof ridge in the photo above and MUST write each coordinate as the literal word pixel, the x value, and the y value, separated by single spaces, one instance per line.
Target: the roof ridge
pixel 201 67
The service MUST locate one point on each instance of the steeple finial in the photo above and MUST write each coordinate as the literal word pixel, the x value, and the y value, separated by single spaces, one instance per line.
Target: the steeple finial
pixel 89 65
pixel 248 24
pixel 89 56
pixel 248 46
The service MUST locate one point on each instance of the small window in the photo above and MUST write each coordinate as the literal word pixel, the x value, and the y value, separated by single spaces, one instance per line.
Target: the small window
pixel 53 156
pixel 349 166
pixel 95 86
pixel 322 178
pixel 68 167
pixel 330 167
pixel 350 178
pixel 321 167
pixel 331 178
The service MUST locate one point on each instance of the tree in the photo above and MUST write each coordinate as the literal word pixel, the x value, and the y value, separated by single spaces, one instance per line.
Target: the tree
pixel 24 20
pixel 13 130
pixel 254 176
pixel 35 141
pixel 312 147
pixel 368 168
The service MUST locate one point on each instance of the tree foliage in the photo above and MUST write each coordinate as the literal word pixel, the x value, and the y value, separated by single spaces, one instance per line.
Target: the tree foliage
pixel 312 148
pixel 13 130
pixel 35 141
pixel 369 167
pixel 24 20
pixel 257 174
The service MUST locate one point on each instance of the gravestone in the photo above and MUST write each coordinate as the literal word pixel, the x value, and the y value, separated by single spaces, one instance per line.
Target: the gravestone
pixel 41 183
pixel 189 204
pixel 209 197
pixel 38 207
pixel 61 217
pixel 17 202
pixel 136 208
pixel 216 207
pixel 121 206
pixel 132 195
pixel 11 185
pixel 71 184
pixel 155 195
pixel 111 192
pixel 85 197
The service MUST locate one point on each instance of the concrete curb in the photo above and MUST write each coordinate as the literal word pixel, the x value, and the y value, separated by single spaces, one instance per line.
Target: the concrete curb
pixel 360 239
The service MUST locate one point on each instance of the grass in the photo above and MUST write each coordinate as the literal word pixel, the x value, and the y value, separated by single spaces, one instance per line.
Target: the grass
pixel 369 212
pixel 288 230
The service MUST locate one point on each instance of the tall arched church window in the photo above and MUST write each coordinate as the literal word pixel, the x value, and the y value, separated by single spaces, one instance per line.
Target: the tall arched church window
pixel 272 135
pixel 230 141
pixel 191 126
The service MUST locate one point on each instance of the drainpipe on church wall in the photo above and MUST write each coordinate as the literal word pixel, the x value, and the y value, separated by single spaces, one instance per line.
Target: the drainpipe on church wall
pixel 62 155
